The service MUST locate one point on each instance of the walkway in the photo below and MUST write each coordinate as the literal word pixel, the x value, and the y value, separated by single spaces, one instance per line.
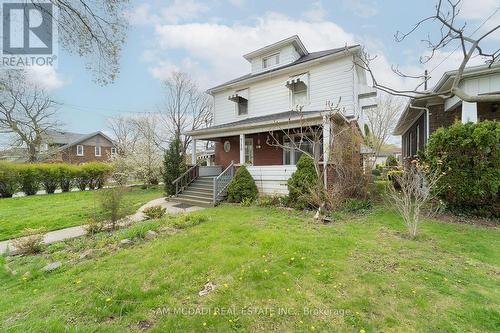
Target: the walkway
pixel 78 231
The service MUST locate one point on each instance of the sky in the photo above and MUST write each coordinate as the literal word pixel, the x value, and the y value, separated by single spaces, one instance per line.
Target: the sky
pixel 208 38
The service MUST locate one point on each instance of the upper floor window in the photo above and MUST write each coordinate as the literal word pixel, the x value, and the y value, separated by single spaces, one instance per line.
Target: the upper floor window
pixel 299 94
pixel 242 106
pixel 271 60
pixel 79 150
pixel 298 85
pixel 240 98
pixel 97 150
pixel 113 151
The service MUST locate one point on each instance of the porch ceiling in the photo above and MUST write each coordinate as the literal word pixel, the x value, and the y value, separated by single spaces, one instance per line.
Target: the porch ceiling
pixel 277 121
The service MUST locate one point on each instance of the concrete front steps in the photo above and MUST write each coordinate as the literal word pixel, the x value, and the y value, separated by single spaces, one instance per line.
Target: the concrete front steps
pixel 199 193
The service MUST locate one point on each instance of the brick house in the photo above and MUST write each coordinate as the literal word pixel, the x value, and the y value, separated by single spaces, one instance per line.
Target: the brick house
pixel 422 117
pixel 283 77
pixel 77 148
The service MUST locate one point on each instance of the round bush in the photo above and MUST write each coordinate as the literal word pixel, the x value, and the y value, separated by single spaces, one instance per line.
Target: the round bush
pixel 468 157
pixel 301 182
pixel 96 174
pixel 9 183
pixel 242 186
pixel 391 161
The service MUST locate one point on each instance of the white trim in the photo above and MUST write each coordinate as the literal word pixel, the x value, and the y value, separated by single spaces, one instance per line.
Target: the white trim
pixel 83 151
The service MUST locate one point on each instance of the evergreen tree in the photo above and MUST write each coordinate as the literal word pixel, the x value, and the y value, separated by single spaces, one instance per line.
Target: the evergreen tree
pixel 173 165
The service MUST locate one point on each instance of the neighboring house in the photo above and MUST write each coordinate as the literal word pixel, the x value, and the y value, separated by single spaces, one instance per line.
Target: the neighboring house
pixel 385 152
pixel 77 148
pixel 283 75
pixel 16 155
pixel 423 116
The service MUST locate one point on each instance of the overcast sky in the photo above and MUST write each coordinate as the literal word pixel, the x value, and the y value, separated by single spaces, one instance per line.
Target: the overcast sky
pixel 208 38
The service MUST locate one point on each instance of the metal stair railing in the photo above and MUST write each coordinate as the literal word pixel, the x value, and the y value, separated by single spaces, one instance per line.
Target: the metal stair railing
pixel 222 181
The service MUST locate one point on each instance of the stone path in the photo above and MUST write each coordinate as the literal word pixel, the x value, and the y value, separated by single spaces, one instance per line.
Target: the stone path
pixel 78 231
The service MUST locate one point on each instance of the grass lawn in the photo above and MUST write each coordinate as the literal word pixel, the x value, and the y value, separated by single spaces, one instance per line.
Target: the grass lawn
pixel 275 270
pixel 56 211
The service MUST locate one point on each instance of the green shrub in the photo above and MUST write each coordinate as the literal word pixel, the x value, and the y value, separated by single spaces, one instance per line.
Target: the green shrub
pixel 154 212
pixel 376 172
pixel 29 178
pixel 49 176
pixel 111 201
pixel 186 221
pixel 468 157
pixel 96 174
pixel 270 201
pixel 173 165
pixel 301 182
pixel 242 186
pixel 356 205
pixel 391 161
pixel 67 174
pixel 9 183
pixel 82 178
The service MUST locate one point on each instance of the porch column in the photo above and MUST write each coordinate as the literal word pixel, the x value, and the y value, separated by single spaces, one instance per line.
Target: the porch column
pixel 469 112
pixel 242 148
pixel 193 153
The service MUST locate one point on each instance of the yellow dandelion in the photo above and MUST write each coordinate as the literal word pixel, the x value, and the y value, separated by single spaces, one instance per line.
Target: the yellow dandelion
pixel 108 299
pixel 35 290
pixel 225 285
pixel 204 324
pixel 270 315
pixel 265 271
pixel 413 291
pixel 230 320
pixel 215 313
pixel 319 273
pixel 362 331
pixel 357 312
pixel 292 258
pixel 78 281
pixel 322 265
pixel 287 289
pixel 445 279
pixel 301 322
pixel 313 328
pixel 303 258
pixel 284 273
pixel 263 256
pixel 25 278
pixel 241 278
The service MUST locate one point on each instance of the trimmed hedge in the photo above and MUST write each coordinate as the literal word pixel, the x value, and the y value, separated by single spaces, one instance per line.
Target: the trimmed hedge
pixel 29 178
pixel 242 186
pixel 468 156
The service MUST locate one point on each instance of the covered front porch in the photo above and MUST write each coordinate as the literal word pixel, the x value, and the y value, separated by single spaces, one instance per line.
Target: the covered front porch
pixel 267 145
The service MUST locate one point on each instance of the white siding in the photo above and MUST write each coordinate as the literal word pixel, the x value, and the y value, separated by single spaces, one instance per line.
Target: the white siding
pixel 272 179
pixel 327 82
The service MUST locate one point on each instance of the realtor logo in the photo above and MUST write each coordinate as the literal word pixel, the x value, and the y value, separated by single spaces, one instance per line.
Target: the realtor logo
pixel 29 34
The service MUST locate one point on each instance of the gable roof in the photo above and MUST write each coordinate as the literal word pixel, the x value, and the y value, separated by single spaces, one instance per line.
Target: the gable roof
pixel 294 40
pixel 303 59
pixel 68 139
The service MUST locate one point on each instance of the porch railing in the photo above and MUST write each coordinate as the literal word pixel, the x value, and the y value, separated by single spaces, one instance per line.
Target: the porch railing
pixel 222 181
pixel 186 178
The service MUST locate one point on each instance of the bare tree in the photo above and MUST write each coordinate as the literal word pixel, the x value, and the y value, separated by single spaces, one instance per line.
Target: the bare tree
pixel 381 121
pixel 306 137
pixel 415 188
pixel 452 33
pixel 92 28
pixel 124 133
pixel 26 112
pixel 185 107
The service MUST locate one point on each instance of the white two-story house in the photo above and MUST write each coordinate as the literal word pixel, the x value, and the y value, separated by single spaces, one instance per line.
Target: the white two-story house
pixel 283 77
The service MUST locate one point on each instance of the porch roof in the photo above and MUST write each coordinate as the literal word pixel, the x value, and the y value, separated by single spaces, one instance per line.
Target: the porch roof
pixel 256 124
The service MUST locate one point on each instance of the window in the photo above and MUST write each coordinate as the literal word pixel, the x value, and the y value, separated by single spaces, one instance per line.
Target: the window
pixel 113 151
pixel 97 150
pixel 248 151
pixel 242 106
pixel 271 60
pixel 299 94
pixel 79 150
pixel 291 155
